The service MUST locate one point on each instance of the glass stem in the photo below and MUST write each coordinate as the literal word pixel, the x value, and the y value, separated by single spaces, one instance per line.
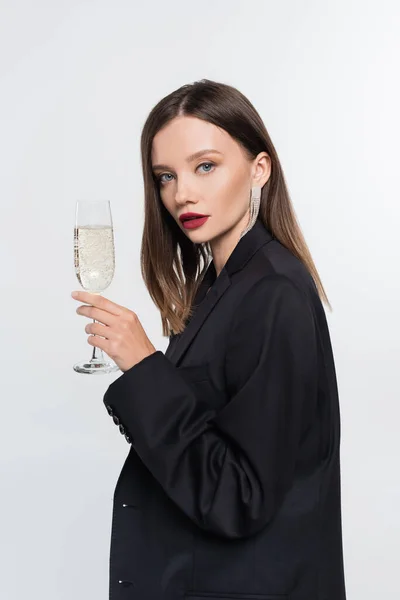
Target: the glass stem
pixel 97 352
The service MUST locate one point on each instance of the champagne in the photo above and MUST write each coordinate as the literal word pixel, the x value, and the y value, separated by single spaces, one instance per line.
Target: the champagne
pixel 94 256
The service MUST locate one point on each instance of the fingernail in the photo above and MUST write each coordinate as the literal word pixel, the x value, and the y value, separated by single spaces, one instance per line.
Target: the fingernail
pixel 74 294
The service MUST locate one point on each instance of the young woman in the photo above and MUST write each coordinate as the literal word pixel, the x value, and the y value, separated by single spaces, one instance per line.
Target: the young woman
pixel 231 488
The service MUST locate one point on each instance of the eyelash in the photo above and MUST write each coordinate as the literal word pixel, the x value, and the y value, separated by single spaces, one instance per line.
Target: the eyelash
pixel 161 182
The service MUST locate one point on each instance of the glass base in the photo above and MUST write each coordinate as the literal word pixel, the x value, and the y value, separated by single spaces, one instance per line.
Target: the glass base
pixel 95 366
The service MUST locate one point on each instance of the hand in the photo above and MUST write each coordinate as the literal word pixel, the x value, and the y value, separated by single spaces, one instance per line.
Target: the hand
pixel 122 335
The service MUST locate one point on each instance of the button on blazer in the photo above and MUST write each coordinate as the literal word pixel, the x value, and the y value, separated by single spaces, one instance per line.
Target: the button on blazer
pixel 231 488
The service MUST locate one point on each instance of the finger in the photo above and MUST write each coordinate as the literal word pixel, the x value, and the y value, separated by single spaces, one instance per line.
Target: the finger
pixel 107 332
pixel 98 329
pixel 99 342
pixel 99 302
pixel 99 315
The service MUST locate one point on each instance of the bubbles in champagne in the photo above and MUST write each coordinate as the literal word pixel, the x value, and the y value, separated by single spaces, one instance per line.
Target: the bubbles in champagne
pixel 94 256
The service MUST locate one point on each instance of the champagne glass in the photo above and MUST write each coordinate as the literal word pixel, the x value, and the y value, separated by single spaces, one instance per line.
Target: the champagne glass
pixel 94 258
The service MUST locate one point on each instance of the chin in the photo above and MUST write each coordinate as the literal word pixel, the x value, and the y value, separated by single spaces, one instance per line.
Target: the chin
pixel 199 235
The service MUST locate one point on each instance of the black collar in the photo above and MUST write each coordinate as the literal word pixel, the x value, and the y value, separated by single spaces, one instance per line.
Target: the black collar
pixel 204 303
pixel 246 247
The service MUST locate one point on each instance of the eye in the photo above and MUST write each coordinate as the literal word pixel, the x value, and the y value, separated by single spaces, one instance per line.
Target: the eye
pixel 208 169
pixel 207 164
pixel 161 180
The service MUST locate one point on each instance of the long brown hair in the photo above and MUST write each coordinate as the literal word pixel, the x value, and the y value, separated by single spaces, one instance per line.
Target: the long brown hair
pixel 172 266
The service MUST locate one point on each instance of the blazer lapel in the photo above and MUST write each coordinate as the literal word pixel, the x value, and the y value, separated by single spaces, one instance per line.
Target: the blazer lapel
pixel 205 302
pixel 206 305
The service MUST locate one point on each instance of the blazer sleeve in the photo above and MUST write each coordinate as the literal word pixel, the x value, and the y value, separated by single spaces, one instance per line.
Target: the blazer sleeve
pixel 228 470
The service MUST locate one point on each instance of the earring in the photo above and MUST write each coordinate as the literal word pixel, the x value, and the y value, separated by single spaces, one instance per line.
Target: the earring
pixel 254 208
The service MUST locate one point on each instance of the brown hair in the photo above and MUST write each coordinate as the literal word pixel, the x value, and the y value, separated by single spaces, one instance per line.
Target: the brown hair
pixel 172 266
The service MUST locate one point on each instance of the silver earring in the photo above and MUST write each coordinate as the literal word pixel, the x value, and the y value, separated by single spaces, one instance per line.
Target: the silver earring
pixel 254 208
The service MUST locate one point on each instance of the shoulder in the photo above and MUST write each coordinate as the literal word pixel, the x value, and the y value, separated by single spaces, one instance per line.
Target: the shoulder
pixel 273 328
pixel 274 269
pixel 274 285
pixel 271 297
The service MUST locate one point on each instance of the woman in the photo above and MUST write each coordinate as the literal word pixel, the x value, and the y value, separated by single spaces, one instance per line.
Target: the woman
pixel 231 488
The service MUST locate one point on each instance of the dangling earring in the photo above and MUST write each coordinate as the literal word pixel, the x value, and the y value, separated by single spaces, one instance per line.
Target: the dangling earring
pixel 254 208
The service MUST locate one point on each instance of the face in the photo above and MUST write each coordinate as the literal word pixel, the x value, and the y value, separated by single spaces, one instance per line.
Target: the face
pixel 201 169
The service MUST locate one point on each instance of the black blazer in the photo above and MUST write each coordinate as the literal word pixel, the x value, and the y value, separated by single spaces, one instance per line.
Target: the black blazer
pixel 231 489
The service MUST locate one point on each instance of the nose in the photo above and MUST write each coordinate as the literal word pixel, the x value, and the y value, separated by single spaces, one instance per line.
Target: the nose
pixel 184 194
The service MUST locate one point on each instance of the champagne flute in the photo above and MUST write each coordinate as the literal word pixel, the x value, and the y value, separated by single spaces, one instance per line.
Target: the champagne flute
pixel 94 258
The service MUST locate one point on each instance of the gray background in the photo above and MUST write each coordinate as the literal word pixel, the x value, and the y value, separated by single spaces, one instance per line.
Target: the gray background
pixel 77 80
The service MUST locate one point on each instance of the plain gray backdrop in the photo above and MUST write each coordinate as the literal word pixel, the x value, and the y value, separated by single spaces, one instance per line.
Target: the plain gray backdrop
pixel 77 80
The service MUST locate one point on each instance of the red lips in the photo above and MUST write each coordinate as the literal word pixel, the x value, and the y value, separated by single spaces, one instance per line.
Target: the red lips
pixel 189 216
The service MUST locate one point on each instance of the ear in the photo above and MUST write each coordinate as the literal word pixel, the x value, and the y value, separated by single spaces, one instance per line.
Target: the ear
pixel 261 169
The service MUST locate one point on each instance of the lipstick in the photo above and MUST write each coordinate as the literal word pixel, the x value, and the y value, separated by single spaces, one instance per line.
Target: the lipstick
pixel 192 220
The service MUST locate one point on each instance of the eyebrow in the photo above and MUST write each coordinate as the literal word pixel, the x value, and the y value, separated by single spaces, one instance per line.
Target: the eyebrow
pixel 190 158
